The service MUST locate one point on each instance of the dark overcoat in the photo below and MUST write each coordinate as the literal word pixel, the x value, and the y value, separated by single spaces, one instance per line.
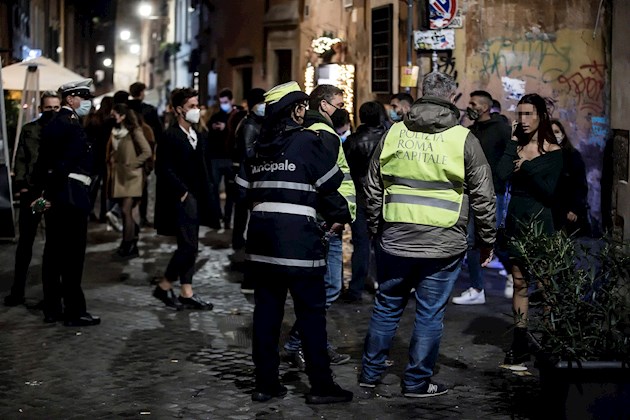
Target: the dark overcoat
pixel 180 168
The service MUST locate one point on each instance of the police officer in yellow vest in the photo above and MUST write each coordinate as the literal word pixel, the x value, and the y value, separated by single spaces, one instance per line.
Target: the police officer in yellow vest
pixel 423 178
pixel 324 102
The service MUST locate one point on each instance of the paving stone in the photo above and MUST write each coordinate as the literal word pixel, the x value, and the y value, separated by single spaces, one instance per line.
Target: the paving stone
pixel 144 358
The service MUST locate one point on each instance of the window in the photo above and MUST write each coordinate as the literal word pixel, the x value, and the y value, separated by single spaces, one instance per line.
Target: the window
pixel 284 60
pixel 382 49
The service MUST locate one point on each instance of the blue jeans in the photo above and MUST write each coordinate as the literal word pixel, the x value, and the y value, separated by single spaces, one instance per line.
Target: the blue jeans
pixel 433 280
pixel 473 253
pixel 333 281
pixel 334 270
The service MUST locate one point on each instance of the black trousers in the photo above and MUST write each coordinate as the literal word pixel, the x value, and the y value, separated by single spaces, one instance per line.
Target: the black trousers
pixel 62 263
pixel 241 214
pixel 144 201
pixel 99 183
pixel 182 263
pixel 309 297
pixel 27 225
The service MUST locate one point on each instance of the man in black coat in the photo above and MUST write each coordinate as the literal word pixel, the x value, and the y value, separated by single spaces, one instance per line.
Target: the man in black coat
pixel 246 133
pixel 62 173
pixel 493 134
pixel 26 156
pixel 359 148
pixel 183 199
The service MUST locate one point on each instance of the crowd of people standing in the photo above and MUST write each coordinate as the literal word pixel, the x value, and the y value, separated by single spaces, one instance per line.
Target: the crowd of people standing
pixel 421 194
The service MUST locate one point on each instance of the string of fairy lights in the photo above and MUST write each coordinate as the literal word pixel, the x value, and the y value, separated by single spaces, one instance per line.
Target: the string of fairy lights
pixel 342 73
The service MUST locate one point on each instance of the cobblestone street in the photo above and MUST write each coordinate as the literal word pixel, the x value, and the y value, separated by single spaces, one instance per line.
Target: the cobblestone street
pixel 145 361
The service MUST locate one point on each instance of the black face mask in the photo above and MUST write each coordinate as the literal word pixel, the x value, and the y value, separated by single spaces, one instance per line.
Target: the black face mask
pixel 472 113
pixel 46 117
pixel 117 124
pixel 340 117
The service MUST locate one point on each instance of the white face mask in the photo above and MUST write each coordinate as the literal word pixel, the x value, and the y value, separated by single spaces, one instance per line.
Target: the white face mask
pixel 559 138
pixel 260 109
pixel 193 115
pixel 84 108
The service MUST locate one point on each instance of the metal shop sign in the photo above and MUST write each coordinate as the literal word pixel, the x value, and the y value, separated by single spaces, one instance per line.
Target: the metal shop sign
pixel 443 39
pixel 441 13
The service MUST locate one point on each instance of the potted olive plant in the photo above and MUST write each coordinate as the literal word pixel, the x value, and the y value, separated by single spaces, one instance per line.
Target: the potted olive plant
pixel 580 326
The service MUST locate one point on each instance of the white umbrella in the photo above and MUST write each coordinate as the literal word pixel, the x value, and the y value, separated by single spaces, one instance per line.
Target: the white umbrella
pixel 45 75
pixel 7 216
pixel 51 74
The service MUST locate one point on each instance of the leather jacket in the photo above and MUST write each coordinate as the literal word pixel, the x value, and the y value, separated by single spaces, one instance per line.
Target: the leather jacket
pixel 359 147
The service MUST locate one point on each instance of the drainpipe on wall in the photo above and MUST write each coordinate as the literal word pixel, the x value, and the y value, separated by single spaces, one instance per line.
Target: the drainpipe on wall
pixel 62 32
pixel 409 35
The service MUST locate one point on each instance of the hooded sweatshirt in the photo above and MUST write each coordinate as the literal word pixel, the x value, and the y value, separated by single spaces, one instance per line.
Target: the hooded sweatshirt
pixel 493 134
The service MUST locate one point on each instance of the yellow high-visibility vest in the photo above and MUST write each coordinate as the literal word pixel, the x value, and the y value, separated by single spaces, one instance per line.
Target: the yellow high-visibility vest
pixel 423 175
pixel 346 189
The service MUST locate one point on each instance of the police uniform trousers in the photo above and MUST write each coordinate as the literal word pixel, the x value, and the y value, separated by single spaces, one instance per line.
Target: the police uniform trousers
pixel 62 263
pixel 27 224
pixel 309 298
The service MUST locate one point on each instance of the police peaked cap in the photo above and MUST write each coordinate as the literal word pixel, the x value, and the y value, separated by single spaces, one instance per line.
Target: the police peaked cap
pixel 79 88
pixel 279 97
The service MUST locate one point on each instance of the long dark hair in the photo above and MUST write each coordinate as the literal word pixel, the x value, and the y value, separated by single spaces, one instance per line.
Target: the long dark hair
pixel 545 132
pixel 131 121
pixel 566 144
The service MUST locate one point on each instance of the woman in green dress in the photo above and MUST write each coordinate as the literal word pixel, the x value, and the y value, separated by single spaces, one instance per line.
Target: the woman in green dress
pixel 532 163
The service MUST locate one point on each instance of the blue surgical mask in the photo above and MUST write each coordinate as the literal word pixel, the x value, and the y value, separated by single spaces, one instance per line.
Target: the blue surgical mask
pixel 345 135
pixel 84 108
pixel 226 107
pixel 260 109
pixel 393 115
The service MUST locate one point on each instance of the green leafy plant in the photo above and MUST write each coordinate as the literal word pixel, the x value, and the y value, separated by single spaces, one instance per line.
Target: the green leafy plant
pixel 584 296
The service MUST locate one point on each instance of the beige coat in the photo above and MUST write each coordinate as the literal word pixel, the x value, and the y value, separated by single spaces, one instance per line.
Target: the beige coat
pixel 125 167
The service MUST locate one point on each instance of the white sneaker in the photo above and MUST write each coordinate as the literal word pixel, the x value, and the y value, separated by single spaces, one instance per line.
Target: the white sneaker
pixel 114 221
pixel 509 287
pixel 470 297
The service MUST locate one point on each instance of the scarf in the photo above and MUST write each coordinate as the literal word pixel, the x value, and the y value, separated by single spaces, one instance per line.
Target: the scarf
pixel 117 135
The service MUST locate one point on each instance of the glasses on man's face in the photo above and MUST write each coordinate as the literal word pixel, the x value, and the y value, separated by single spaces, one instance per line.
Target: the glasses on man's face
pixel 302 106
pixel 340 105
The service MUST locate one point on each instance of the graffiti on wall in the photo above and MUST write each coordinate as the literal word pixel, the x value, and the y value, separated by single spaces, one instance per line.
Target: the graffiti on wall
pixel 599 132
pixel 446 63
pixel 529 58
pixel 565 67
pixel 587 85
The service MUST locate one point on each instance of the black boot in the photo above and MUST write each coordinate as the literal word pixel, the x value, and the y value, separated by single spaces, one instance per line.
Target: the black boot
pixel 128 249
pixel 519 350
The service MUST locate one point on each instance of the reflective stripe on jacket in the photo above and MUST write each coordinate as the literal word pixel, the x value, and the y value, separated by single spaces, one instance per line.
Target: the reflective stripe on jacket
pixel 423 175
pixel 347 188
pixel 284 188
